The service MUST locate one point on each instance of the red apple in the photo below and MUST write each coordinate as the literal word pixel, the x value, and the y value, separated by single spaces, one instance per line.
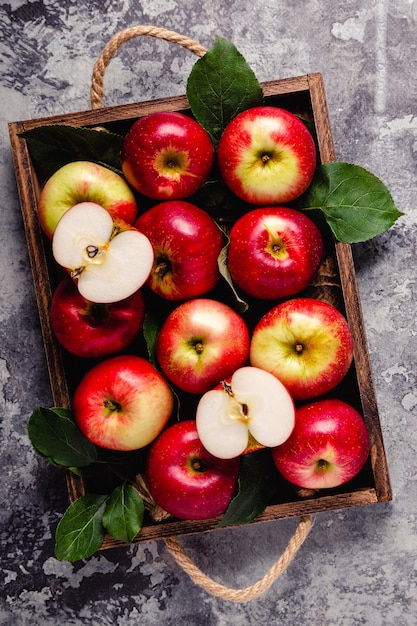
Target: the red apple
pixel 186 480
pixel 187 243
pixel 122 403
pixel 327 447
pixel 167 155
pixel 306 343
pixel 84 181
pixel 202 342
pixel 274 252
pixel 266 155
pixel 90 330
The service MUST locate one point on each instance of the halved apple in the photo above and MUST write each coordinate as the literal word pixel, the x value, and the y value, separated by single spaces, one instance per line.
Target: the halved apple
pixel 109 260
pixel 252 405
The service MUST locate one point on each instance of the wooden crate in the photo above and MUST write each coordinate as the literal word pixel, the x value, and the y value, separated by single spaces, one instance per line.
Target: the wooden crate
pixel 303 95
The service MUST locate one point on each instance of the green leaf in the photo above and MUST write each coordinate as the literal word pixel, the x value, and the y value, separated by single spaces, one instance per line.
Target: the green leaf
pixel 151 327
pixel 55 145
pixel 220 85
pixel 256 483
pixel 57 438
pixel 356 204
pixel 222 264
pixel 80 532
pixel 124 512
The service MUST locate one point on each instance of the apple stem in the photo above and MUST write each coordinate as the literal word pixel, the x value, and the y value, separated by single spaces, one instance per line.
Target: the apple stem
pixel 198 465
pixel 162 268
pixel 299 347
pixel 112 405
pixel 322 465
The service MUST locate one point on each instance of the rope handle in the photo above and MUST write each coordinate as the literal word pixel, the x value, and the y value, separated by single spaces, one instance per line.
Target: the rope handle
pixel 172 543
pixel 99 68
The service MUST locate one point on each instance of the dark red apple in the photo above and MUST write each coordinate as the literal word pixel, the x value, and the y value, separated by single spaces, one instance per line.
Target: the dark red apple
pixel 186 480
pixel 274 252
pixel 167 155
pixel 186 243
pixel 90 330
pixel 327 447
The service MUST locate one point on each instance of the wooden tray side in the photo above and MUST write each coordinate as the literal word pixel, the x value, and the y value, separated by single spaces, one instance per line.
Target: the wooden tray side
pixel 310 89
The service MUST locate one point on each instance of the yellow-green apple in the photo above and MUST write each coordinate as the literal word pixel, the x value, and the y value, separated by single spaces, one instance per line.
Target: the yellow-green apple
pixel 91 330
pixel 251 410
pixel 84 181
pixel 109 260
pixel 187 243
pixel 274 252
pixel 267 155
pixel 201 342
pixel 167 155
pixel 328 446
pixel 306 343
pixel 122 403
pixel 184 479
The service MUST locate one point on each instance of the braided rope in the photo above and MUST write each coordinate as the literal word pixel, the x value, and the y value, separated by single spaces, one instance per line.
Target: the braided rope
pixel 258 588
pixel 99 68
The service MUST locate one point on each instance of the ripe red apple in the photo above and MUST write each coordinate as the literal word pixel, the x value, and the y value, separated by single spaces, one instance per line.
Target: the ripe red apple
pixel 167 155
pixel 84 181
pixel 186 242
pixel 122 403
pixel 306 343
pixel 202 342
pixel 90 330
pixel 186 480
pixel 327 447
pixel 266 155
pixel 274 252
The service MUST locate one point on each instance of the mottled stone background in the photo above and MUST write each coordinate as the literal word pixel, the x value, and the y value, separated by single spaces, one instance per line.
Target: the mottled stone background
pixel 358 566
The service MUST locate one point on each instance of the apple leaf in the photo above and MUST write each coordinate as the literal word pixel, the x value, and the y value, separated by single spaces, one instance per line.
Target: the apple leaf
pixel 124 512
pixel 80 531
pixel 255 487
pixel 57 438
pixel 220 85
pixel 151 327
pixel 55 145
pixel 355 203
pixel 225 273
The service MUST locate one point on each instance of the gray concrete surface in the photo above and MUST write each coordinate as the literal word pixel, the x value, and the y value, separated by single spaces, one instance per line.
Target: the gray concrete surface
pixel 358 566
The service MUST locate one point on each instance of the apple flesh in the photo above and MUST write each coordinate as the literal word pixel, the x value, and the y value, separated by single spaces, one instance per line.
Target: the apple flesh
pixel 328 446
pixel 84 181
pixel 306 343
pixel 201 342
pixel 266 155
pixel 122 403
pixel 274 252
pixel 184 479
pixel 167 155
pixel 252 410
pixel 90 330
pixel 187 243
pixel 108 260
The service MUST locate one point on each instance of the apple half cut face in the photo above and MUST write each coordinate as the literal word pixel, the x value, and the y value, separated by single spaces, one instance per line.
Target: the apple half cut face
pixel 251 410
pixel 109 260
